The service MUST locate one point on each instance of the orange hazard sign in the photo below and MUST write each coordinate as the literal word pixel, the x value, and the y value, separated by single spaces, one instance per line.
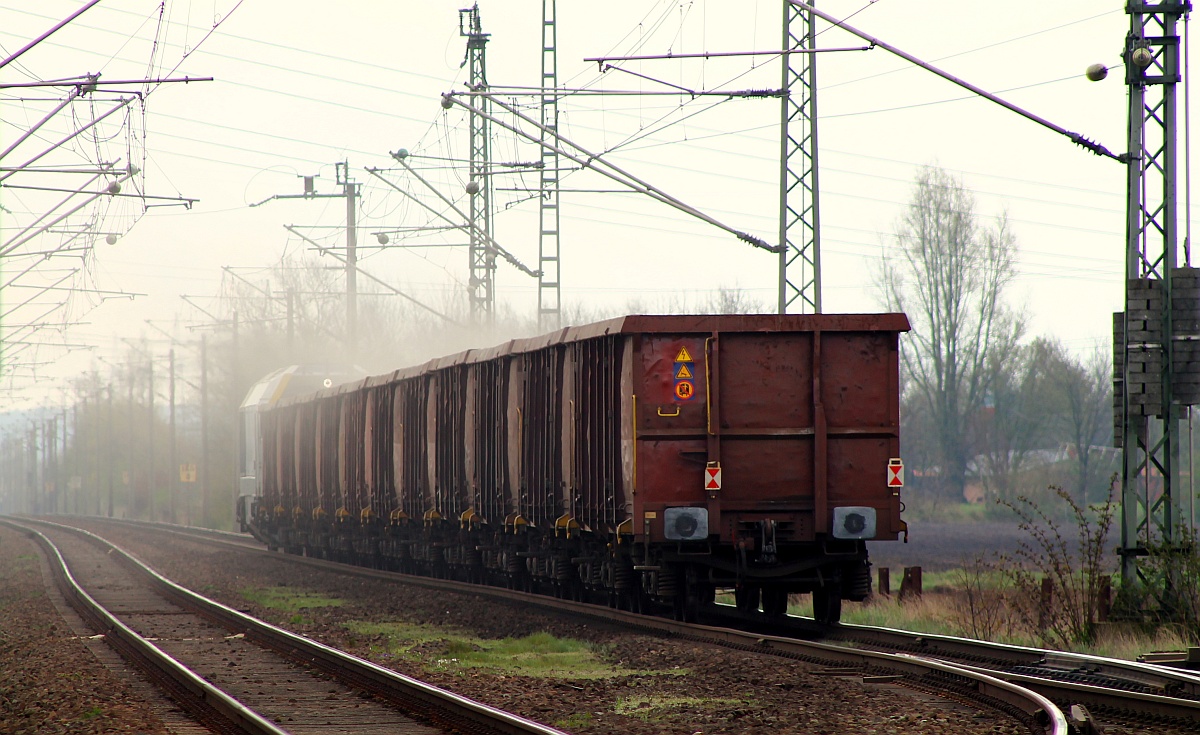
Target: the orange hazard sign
pixel 685 374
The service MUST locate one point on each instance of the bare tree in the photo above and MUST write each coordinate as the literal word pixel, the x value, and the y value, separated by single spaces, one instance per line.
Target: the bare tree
pixel 1020 414
pixel 1087 417
pixel 949 275
pixel 732 301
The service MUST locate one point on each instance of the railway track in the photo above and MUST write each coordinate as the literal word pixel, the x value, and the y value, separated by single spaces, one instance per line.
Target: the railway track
pixel 1127 689
pixel 235 674
pixel 976 687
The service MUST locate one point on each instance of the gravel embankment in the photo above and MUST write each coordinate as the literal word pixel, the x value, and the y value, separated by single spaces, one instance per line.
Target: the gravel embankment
pixel 50 682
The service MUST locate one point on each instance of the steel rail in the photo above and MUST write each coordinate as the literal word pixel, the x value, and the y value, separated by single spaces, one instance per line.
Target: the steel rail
pixel 1150 676
pixel 204 695
pixel 350 669
pixel 1067 677
pixel 1032 705
pixel 1093 695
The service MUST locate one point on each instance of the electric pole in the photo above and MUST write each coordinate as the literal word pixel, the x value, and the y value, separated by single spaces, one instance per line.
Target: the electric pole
pixel 131 475
pixel 239 453
pixel 351 191
pixel 549 246
pixel 1154 336
pixel 204 488
pixel 173 484
pixel 109 449
pixel 1156 340
pixel 150 433
pixel 482 258
pixel 799 211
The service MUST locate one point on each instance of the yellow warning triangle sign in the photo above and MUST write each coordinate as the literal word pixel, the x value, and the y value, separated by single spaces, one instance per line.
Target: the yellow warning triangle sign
pixel 683 372
pixel 683 356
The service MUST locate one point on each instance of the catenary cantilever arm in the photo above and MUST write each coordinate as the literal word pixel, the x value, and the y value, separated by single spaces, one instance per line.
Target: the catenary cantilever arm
pixel 1076 138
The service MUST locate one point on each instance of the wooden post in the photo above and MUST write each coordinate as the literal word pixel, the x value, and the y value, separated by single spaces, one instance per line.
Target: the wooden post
pixel 1044 605
pixel 885 582
pixel 1104 599
pixel 910 586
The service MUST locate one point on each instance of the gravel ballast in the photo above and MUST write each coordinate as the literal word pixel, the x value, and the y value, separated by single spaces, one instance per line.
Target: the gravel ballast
pixel 648 685
pixel 657 685
pixel 50 681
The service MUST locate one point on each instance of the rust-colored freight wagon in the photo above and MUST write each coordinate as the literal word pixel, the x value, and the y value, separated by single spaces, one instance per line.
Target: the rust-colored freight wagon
pixel 652 459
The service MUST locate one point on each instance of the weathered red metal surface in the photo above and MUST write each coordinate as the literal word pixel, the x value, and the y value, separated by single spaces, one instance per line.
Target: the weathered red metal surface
pixel 540 485
pixel 410 446
pixel 447 410
pixel 351 451
pixel 616 421
pixel 285 427
pixel 377 465
pixel 304 455
pixel 592 433
pixel 806 418
pixel 326 451
pixel 268 426
pixel 486 436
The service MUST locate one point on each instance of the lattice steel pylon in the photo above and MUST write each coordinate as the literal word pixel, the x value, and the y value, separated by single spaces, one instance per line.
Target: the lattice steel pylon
pixel 1147 342
pixel 549 262
pixel 482 257
pixel 799 213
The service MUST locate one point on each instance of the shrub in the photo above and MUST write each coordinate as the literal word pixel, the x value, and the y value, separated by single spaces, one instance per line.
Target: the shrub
pixel 1056 583
pixel 984 612
pixel 1175 567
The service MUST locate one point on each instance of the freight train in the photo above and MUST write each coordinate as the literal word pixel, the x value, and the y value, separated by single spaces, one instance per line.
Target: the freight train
pixel 645 461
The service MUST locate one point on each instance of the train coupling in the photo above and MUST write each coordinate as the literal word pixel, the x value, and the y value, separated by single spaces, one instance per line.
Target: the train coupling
pixel 767 555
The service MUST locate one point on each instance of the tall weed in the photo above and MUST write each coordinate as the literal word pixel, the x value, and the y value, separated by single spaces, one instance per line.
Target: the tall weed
pixel 1063 610
pixel 1176 569
pixel 983 612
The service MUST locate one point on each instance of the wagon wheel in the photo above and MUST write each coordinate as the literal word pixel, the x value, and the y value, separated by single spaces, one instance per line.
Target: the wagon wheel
pixel 827 604
pixel 746 597
pixel 694 595
pixel 633 600
pixel 775 601
pixel 686 606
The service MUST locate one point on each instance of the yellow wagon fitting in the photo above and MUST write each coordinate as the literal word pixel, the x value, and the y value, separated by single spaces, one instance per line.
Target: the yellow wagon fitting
pixel 625 528
pixel 567 524
pixel 515 522
pixel 470 519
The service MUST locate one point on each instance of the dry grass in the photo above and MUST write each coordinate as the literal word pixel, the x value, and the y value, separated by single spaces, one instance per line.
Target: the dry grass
pixel 941 611
pixel 926 614
pixel 1129 644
